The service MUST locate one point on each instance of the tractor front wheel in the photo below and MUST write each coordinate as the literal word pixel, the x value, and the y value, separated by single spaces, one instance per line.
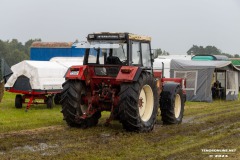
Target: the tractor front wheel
pixel 138 104
pixel 72 107
pixel 172 104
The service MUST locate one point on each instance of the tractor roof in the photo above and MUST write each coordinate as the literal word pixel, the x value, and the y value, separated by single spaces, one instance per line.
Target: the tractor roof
pixel 121 34
pixel 138 37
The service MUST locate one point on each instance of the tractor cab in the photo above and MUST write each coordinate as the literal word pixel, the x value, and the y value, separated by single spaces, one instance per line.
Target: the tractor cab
pixel 122 49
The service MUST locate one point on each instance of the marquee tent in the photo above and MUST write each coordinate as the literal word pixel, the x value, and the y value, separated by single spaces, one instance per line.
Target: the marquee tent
pixel 202 76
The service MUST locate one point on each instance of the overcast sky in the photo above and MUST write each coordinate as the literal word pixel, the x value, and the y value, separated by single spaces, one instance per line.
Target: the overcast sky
pixel 174 25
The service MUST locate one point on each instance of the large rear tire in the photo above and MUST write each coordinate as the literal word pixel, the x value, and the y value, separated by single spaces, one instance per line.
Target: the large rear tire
pixel 138 104
pixel 72 108
pixel 172 104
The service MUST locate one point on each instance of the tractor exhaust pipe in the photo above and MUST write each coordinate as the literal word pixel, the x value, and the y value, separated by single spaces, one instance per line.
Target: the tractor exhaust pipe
pixel 162 70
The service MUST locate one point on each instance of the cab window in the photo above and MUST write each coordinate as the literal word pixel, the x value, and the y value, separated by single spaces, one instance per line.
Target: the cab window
pixel 146 54
pixel 136 57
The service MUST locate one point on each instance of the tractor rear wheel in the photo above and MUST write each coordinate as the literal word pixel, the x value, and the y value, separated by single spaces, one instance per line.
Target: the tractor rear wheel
pixel 73 108
pixel 18 101
pixel 172 104
pixel 138 104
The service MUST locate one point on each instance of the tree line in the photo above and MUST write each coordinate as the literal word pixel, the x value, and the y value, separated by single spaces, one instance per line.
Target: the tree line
pixel 161 52
pixel 14 51
pixel 208 50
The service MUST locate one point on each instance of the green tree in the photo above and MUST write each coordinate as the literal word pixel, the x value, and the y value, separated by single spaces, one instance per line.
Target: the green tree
pixel 228 55
pixel 208 50
pixel 212 50
pixel 14 51
pixel 29 43
pixel 236 56
pixel 165 53
pixel 201 50
pixel 159 51
pixel 3 49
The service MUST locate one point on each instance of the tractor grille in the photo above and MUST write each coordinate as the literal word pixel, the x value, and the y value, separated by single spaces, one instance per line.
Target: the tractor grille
pixel 107 71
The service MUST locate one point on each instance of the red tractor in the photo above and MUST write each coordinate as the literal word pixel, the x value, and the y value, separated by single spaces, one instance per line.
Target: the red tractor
pixel 117 75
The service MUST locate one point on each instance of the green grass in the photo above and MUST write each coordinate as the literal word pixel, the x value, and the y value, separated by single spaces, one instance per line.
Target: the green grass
pixel 12 119
pixel 41 133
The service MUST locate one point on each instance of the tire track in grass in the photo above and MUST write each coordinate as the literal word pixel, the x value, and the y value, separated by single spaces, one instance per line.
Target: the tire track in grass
pixel 187 135
pixel 31 131
pixel 225 140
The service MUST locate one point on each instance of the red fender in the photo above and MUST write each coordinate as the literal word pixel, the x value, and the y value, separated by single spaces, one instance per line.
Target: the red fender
pixel 76 72
pixel 128 74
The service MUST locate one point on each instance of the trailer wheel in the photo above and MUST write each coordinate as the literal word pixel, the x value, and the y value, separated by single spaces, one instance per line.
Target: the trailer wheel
pixel 18 101
pixel 49 102
pixel 57 98
pixel 172 104
pixel 138 104
pixel 72 107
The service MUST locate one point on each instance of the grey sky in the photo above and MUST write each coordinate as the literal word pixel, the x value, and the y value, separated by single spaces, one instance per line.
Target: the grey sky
pixel 174 25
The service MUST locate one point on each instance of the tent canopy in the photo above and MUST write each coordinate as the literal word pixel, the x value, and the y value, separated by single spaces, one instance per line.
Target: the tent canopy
pixel 185 64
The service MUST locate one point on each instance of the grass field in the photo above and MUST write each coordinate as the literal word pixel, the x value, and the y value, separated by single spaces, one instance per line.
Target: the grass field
pixel 41 133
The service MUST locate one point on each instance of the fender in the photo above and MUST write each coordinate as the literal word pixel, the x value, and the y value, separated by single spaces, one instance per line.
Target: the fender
pixel 76 72
pixel 128 74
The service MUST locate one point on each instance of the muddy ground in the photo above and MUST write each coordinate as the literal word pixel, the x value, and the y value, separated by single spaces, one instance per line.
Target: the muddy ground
pixel 208 131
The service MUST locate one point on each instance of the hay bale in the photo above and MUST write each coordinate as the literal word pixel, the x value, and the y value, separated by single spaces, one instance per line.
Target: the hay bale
pixel 51 44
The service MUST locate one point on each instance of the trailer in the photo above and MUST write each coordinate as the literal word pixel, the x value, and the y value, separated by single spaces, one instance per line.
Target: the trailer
pixel 39 82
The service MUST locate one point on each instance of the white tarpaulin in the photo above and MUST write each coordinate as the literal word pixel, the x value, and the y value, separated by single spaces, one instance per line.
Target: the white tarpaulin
pixel 43 75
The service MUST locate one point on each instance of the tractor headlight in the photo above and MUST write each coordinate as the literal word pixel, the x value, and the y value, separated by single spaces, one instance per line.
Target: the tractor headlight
pixel 74 73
